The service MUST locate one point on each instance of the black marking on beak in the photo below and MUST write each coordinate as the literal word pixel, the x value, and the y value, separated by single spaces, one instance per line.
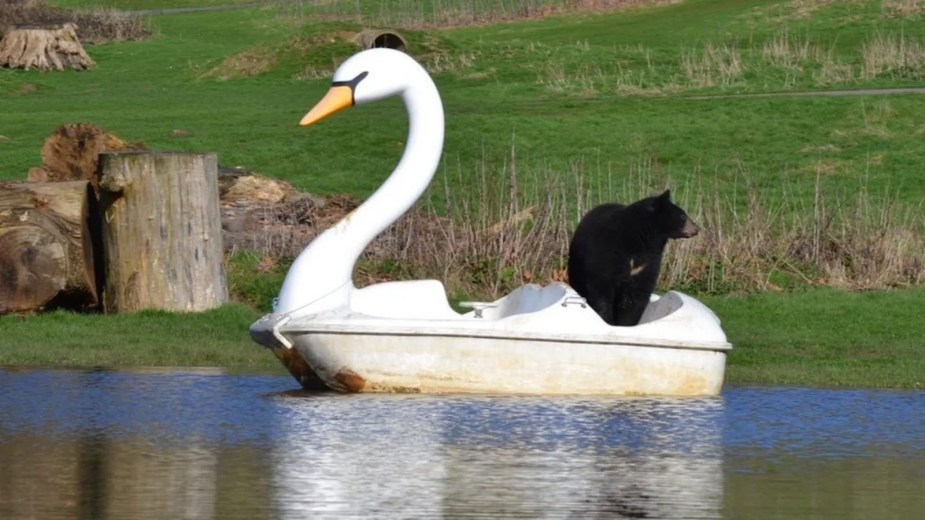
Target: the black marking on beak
pixel 352 83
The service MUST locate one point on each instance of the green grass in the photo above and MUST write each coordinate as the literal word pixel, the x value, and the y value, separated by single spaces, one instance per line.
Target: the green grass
pixel 816 338
pixel 608 90
pixel 825 338
pixel 609 97
pixel 150 338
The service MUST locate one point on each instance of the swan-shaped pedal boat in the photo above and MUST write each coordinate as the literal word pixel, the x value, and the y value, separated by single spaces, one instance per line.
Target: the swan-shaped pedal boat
pixel 404 336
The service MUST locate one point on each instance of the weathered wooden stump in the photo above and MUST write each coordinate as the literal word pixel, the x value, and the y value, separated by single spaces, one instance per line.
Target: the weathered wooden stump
pixel 44 48
pixel 47 249
pixel 161 232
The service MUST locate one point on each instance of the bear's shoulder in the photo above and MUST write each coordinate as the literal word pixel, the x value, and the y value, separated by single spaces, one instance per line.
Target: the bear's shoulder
pixel 605 211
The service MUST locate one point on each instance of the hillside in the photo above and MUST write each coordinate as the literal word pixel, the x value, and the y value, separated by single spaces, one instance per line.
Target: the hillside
pixel 598 105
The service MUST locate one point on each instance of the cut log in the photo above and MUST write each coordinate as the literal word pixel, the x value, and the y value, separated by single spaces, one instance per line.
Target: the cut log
pixel 72 153
pixel 44 48
pixel 162 232
pixel 47 249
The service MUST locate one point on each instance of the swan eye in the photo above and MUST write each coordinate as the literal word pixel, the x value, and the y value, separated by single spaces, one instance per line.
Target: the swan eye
pixel 352 83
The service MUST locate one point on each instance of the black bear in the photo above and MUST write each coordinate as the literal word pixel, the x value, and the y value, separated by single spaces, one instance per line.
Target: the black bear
pixel 616 254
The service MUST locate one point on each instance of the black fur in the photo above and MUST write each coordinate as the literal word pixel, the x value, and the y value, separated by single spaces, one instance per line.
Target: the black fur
pixel 616 254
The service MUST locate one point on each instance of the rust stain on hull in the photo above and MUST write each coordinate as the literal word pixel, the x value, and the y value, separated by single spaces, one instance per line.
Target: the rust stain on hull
pixel 299 368
pixel 349 381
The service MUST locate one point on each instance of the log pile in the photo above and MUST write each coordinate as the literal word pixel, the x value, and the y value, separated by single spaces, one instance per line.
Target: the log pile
pixel 101 223
pixel 47 252
pixel 141 234
pixel 272 217
pixel 72 152
pixel 44 48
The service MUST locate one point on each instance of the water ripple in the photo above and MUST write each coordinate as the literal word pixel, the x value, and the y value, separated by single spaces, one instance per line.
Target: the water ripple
pixel 209 445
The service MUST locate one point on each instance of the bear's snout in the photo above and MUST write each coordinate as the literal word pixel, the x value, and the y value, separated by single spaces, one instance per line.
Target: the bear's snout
pixel 690 229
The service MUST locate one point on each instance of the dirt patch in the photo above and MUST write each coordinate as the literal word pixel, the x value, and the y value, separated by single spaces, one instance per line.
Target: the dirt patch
pixel 245 64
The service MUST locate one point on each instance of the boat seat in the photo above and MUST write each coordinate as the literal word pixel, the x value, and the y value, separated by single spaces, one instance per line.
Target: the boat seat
pixel 523 300
pixel 410 299
pixel 660 306
pixel 533 297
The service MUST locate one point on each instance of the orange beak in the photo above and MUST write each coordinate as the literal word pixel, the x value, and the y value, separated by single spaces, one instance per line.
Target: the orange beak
pixel 338 98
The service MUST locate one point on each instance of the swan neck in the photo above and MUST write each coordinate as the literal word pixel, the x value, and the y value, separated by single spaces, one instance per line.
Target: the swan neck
pixel 324 270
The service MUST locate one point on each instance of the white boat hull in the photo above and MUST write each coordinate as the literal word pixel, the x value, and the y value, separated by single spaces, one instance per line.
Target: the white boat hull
pixel 427 364
pixel 360 353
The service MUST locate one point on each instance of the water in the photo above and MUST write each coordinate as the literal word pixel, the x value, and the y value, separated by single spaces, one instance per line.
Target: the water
pixel 96 444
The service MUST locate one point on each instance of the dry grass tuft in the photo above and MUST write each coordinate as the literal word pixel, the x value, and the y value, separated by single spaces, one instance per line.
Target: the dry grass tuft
pixel 714 65
pixel 587 80
pixel 453 13
pixel 833 72
pixel 498 228
pixel 93 26
pixel 502 236
pixel 800 63
pixel 787 51
pixel 903 8
pixel 893 56
pixel 437 62
pixel 109 25
pixel 494 236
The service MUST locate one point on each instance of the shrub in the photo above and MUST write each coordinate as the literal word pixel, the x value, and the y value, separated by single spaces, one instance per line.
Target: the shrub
pixel 94 26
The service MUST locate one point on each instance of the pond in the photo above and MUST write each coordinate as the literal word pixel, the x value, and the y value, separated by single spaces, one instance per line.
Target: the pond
pixel 188 444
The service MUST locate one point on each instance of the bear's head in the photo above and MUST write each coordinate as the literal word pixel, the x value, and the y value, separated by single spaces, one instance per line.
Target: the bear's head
pixel 671 220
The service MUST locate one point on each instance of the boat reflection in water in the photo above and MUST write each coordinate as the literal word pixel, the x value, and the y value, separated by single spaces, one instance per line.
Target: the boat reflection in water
pixel 636 458
pixel 102 444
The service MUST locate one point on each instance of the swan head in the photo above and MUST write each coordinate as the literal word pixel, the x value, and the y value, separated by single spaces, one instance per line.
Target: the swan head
pixel 367 76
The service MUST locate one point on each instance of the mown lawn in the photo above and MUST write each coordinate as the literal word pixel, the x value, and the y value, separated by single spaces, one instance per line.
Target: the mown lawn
pixel 611 100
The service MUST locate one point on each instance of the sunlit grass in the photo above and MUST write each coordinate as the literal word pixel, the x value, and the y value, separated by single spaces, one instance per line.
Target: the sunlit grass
pixel 825 338
pixel 792 193
pixel 815 338
pixel 151 338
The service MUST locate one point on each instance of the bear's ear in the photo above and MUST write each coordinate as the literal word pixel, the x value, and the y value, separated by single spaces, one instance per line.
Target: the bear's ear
pixel 662 200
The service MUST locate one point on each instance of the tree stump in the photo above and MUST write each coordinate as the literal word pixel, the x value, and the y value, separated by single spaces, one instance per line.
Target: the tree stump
pixel 47 249
pixel 161 232
pixel 44 48
pixel 72 153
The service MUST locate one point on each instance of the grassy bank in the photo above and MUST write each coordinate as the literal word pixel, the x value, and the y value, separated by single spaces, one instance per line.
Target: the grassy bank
pixel 825 338
pixel 815 338
pixel 548 113
pixel 609 90
pixel 218 338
